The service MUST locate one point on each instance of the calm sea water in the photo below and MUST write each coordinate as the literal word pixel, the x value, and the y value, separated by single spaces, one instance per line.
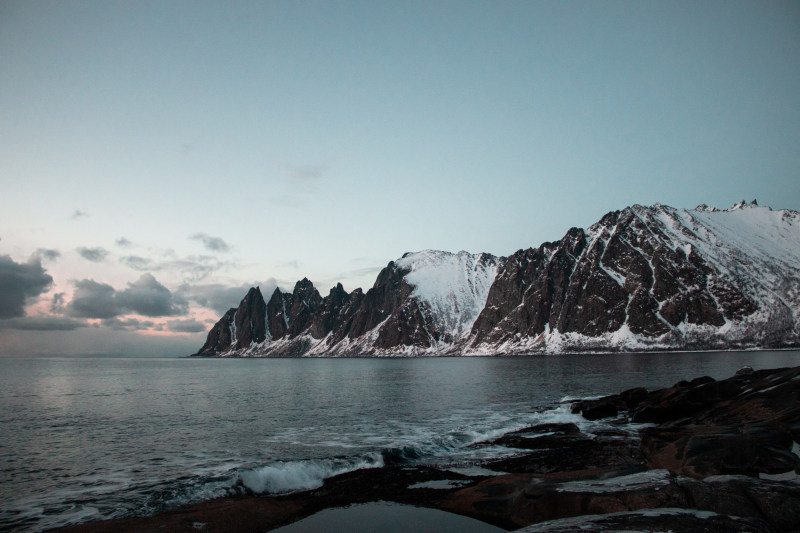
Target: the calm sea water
pixel 89 438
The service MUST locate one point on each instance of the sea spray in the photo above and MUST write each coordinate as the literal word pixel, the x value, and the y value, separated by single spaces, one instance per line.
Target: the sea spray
pixel 291 476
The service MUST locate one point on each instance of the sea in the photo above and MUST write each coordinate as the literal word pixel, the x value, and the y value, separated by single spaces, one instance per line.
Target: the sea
pixel 90 438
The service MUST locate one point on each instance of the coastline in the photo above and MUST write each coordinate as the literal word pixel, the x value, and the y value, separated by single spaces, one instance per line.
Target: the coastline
pixel 427 355
pixel 700 450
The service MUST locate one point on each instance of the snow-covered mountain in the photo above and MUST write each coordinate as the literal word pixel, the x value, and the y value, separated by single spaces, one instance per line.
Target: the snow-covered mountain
pixel 644 278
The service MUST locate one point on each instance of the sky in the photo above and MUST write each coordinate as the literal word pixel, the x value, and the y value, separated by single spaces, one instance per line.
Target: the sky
pixel 159 158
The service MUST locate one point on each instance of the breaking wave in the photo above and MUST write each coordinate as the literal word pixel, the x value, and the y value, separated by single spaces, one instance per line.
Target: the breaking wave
pixel 292 476
pixel 455 447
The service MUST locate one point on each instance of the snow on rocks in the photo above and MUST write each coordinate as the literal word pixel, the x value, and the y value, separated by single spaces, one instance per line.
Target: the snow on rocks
pixel 453 286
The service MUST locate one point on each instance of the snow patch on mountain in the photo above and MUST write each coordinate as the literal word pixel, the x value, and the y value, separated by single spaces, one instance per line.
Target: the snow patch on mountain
pixel 757 247
pixel 454 287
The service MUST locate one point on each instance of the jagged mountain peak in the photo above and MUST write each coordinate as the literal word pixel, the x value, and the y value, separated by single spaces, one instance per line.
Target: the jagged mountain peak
pixel 743 204
pixel 253 292
pixel 303 285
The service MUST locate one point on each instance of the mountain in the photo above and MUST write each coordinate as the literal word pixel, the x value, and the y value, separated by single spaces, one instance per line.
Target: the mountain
pixel 643 278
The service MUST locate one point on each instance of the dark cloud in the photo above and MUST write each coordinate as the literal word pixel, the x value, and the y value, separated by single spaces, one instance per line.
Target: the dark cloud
pixel 219 297
pixel 186 326
pixel 95 255
pixel 145 296
pixel 93 300
pixel 78 214
pixel 43 323
pixel 18 282
pixel 214 244
pixel 57 303
pixel 122 242
pixel 47 254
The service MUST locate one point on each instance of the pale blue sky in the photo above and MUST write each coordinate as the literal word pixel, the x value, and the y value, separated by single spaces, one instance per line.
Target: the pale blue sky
pixel 323 139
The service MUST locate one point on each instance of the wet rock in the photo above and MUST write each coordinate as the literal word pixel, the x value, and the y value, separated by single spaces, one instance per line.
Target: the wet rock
pixel 568 453
pixel 672 520
pixel 600 410
pixel 610 406
pixel 776 503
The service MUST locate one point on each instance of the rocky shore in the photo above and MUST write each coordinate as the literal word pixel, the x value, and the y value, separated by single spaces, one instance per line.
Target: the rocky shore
pixel 702 455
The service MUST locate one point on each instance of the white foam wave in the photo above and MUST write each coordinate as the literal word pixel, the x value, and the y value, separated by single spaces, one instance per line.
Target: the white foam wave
pixel 292 476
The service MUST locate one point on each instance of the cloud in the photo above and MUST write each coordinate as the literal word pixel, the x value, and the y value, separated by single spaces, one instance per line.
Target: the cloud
pixel 192 268
pixel 93 300
pixel 95 255
pixel 43 323
pixel 122 242
pixel 186 326
pixel 214 244
pixel 129 324
pixel 47 254
pixel 366 271
pixel 219 297
pixel 57 303
pixel 306 173
pixel 18 282
pixel 78 214
pixel 138 262
pixel 145 296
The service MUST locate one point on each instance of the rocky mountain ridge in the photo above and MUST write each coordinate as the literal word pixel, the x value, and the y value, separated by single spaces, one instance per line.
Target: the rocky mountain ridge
pixel 643 278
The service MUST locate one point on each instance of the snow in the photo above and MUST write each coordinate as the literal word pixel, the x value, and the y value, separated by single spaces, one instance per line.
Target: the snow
pixel 757 232
pixel 454 287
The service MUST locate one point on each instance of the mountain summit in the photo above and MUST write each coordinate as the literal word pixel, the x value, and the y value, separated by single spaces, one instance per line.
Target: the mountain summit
pixel 643 278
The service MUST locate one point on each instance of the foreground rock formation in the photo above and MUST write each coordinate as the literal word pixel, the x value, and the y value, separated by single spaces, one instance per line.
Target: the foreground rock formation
pixel 643 278
pixel 701 455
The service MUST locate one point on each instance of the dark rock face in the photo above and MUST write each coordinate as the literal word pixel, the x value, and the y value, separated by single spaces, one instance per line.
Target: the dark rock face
pixel 239 327
pixel 625 271
pixel 341 315
pixel 388 292
pixel 305 304
pixel 278 314
pixel 219 338
pixel 337 312
pixel 250 326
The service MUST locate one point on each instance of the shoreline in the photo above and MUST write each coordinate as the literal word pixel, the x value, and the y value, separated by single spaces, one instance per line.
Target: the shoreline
pixel 697 447
pixel 498 355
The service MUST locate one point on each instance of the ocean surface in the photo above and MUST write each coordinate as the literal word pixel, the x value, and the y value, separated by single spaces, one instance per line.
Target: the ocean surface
pixel 91 438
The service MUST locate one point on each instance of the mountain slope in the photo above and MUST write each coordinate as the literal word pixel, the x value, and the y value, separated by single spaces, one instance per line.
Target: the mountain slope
pixel 643 278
